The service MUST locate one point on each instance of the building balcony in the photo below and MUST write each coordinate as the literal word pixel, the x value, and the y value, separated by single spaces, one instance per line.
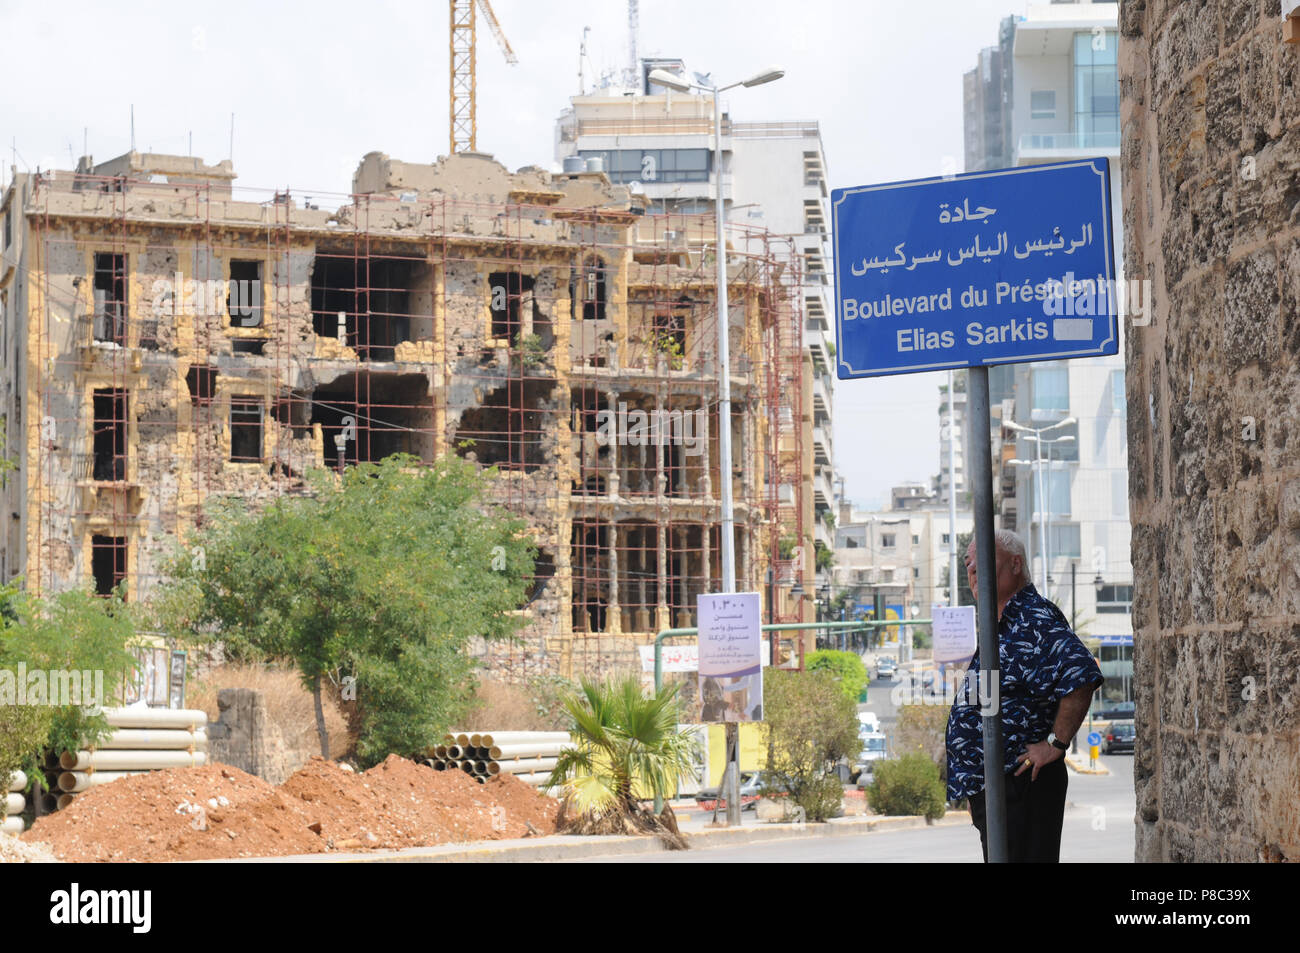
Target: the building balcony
pixel 822 445
pixel 823 488
pixel 823 396
pixel 1036 147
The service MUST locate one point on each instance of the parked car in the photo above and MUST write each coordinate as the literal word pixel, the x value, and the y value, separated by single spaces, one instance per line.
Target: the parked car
pixel 751 786
pixel 874 748
pixel 1118 712
pixel 1120 737
pixel 886 667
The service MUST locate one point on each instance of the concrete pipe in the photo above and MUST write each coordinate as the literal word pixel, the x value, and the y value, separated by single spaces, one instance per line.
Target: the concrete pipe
pixel 467 767
pixel 65 801
pixel 12 825
pixel 493 769
pixel 455 753
pixel 156 739
pixel 156 718
pixel 480 767
pixel 440 751
pixel 17 781
pixel 130 760
pixel 528 766
pixel 504 738
pixel 440 765
pixel 15 803
pixel 72 782
pixel 475 740
pixel 462 740
pixel 49 803
pixel 536 779
pixel 521 752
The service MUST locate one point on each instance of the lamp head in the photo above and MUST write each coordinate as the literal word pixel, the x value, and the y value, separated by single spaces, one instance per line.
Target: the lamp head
pixel 769 75
pixel 661 77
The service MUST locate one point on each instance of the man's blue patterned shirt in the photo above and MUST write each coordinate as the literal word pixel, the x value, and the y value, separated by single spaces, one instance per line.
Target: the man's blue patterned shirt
pixel 1042 661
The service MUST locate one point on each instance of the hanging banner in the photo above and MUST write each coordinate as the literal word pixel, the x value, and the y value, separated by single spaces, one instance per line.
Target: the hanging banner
pixel 730 657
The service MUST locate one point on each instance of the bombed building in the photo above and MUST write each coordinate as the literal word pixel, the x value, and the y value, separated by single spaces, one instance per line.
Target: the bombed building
pixel 170 337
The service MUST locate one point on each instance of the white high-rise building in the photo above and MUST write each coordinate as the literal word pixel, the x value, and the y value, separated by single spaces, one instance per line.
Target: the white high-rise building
pixel 1064 99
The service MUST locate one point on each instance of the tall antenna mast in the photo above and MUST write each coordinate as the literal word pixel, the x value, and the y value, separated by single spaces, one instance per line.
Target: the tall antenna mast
pixel 582 55
pixel 633 78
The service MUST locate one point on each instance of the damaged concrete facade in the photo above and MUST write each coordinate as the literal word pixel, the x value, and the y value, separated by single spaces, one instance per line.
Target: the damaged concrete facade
pixel 175 338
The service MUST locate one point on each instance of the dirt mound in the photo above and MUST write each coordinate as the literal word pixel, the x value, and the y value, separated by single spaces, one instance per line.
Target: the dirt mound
pixel 217 811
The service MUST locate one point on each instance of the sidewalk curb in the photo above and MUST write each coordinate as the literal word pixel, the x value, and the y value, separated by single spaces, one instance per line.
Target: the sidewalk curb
pixel 562 847
pixel 1080 767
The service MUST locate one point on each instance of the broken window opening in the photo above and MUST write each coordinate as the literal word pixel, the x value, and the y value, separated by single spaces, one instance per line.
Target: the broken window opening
pixel 109 437
pixel 508 429
pixel 293 410
pixel 590 288
pixel 244 294
pixel 508 291
pixel 543 573
pixel 107 563
pixel 253 346
pixel 201 379
pixel 589 557
pixel 638 573
pixel 378 415
pixel 246 429
pixel 382 302
pixel 110 298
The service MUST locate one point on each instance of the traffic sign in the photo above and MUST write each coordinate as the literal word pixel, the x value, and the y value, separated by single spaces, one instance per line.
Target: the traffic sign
pixel 1094 738
pixel 969 270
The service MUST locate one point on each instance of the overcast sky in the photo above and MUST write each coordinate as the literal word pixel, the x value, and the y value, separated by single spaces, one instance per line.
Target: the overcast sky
pixel 315 86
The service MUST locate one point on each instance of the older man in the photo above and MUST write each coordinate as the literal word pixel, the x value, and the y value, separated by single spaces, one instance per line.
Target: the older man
pixel 1047 681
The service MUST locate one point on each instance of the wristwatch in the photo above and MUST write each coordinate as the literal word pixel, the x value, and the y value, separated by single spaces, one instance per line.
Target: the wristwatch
pixel 1056 742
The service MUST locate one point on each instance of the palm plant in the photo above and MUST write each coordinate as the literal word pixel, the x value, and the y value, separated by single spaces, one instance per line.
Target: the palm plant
pixel 627 744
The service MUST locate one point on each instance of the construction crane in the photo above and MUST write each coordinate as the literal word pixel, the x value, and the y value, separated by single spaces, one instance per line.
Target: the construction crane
pixel 464 125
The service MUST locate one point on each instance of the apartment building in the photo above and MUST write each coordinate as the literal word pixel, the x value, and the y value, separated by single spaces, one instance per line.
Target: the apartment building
pixel 171 338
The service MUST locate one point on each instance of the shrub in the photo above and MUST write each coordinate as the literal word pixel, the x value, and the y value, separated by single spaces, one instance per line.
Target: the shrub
pixel 845 667
pixel 812 724
pixel 908 786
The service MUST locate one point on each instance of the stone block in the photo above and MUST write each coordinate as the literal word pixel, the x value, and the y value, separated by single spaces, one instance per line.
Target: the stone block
pixel 1185 40
pixel 1148 846
pixel 1284 677
pixel 1181 127
pixel 1251 310
pixel 1245 681
pixel 1182 780
pixel 1259 88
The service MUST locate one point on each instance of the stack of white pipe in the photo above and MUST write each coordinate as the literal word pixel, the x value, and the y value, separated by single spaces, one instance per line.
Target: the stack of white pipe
pixel 528 755
pixel 143 740
pixel 15 803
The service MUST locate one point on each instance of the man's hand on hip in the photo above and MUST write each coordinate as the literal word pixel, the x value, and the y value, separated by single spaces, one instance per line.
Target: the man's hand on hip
pixel 1038 755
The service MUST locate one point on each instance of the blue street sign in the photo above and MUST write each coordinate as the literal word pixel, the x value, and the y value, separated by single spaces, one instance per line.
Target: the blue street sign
pixel 983 268
pixel 1094 738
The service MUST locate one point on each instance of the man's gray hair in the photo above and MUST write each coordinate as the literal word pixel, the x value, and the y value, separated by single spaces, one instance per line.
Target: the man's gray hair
pixel 1012 545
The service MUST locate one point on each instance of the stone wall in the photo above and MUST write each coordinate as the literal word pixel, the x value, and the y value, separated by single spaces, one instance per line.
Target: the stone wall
pixel 1211 163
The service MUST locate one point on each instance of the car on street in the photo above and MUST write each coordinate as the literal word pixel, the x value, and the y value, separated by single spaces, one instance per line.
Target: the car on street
pixel 1120 737
pixel 1118 712
pixel 886 667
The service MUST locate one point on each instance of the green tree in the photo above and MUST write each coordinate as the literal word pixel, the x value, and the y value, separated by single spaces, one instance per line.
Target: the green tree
pixel 628 747
pixel 846 668
pixel 382 576
pixel 812 724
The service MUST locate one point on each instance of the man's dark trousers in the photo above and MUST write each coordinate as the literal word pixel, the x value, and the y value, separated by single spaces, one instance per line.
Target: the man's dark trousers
pixel 1035 813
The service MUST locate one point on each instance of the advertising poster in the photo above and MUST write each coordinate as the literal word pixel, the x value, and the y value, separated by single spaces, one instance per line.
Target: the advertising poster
pixel 954 633
pixel 730 657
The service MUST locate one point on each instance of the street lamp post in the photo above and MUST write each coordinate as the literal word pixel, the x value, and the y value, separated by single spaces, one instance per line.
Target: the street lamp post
pixel 1036 435
pixel 673 81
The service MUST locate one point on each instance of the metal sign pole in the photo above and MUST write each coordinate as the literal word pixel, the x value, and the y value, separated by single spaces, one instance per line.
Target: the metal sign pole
pixel 986 614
